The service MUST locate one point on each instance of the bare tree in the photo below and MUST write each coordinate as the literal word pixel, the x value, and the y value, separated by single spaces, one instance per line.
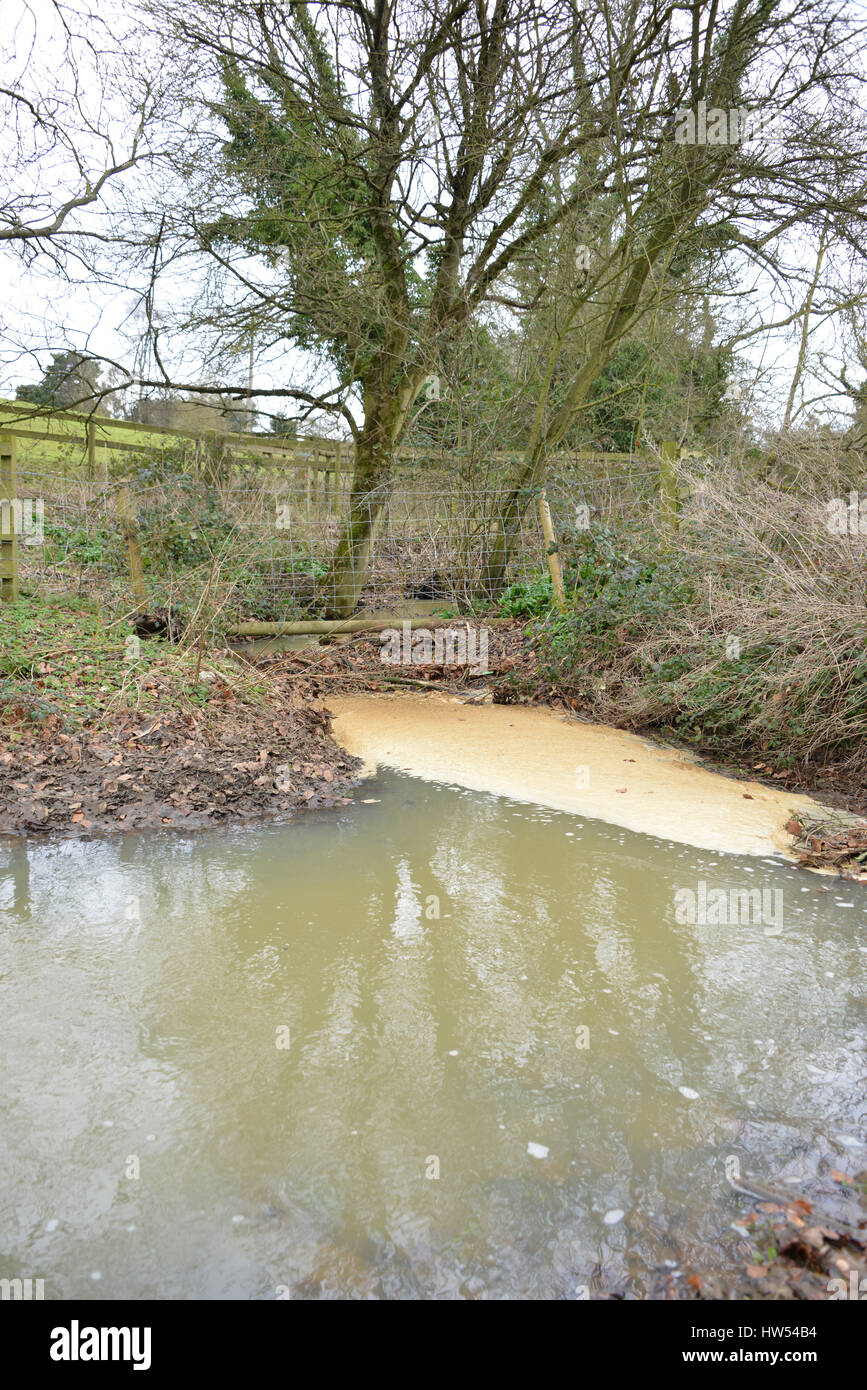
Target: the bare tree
pixel 743 128
pixel 75 115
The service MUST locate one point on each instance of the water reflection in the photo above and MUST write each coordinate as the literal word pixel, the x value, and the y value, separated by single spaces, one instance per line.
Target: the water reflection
pixel 328 1046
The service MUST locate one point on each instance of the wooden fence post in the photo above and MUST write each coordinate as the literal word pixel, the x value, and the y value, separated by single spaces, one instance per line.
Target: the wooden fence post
pixel 129 529
pixel 668 493
pixel 553 551
pixel 214 458
pixel 91 450
pixel 335 479
pixel 10 509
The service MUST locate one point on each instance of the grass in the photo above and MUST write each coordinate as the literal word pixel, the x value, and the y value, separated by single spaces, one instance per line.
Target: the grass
pixel 71 459
pixel 69 662
pixel 742 635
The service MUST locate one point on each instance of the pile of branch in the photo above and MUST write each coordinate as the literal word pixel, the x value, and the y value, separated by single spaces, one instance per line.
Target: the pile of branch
pixel 831 842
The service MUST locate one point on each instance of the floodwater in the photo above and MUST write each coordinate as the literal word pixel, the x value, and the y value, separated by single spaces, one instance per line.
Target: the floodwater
pixel 443 1045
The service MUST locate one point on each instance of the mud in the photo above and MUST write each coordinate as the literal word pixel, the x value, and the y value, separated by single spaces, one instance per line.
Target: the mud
pixel 178 770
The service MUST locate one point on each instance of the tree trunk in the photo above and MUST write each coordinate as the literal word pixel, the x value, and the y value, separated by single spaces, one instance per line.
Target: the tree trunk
pixel 351 564
pixel 374 461
pixel 546 438
pixel 517 503
pixel 508 530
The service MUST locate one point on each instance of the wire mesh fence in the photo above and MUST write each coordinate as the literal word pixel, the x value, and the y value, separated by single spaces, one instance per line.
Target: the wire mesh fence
pixel 272 536
pixel 614 494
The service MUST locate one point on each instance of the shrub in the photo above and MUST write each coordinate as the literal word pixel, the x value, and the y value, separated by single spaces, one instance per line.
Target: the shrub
pixel 527 598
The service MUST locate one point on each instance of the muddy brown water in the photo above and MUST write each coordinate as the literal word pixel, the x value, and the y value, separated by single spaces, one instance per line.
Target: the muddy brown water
pixel 442 1045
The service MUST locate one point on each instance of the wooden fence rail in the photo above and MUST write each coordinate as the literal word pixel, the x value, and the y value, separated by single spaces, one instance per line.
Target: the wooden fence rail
pixel 9 518
pixel 327 463
pixel 316 451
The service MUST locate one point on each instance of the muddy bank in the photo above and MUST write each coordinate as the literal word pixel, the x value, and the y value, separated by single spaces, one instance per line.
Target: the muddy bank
pixel 178 768
pixel 542 756
pixel 154 747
